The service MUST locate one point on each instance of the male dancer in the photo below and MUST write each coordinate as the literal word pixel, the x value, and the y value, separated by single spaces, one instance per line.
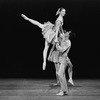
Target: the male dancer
pixel 63 61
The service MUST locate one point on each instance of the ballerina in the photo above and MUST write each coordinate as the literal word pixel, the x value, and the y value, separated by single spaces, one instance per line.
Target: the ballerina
pixel 49 31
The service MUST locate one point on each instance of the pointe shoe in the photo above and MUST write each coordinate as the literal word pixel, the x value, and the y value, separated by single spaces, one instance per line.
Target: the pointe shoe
pixel 71 81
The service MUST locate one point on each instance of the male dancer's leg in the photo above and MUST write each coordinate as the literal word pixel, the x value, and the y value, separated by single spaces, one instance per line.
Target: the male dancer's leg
pixel 70 72
pixel 62 79
pixel 57 69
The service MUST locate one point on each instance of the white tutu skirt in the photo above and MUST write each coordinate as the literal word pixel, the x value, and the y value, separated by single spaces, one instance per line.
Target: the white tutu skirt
pixel 48 32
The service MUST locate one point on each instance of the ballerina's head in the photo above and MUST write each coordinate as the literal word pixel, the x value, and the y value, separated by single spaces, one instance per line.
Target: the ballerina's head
pixel 61 11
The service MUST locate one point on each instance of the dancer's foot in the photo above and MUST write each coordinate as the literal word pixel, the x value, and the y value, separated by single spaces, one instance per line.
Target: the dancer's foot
pixel 62 93
pixel 56 84
pixel 71 81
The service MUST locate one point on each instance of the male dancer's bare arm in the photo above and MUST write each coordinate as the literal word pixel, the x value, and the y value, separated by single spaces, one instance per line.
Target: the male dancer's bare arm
pixel 33 21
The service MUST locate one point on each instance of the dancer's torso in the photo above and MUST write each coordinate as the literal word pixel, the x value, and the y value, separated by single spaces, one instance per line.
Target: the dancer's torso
pixel 58 55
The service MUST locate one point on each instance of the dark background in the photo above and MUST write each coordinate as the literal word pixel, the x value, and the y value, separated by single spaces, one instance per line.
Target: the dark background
pixel 22 43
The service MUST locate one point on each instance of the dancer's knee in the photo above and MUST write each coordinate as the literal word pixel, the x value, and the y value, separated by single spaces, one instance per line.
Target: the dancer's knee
pixel 60 74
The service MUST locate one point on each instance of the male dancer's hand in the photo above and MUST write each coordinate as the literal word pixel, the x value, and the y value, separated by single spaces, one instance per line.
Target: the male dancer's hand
pixel 44 65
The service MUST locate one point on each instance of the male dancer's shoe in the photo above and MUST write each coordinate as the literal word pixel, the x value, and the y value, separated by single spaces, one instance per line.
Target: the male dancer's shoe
pixel 62 93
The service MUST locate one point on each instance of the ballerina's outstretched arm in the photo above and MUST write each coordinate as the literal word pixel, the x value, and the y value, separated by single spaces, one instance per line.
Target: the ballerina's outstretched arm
pixel 33 21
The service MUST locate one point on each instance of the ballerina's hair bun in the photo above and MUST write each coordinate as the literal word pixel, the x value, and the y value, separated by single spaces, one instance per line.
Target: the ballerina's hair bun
pixel 58 11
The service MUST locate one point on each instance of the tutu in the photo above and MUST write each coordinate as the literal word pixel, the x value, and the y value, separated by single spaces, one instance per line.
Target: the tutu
pixel 48 32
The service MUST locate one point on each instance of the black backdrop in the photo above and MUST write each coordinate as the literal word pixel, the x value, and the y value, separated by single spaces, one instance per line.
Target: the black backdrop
pixel 22 43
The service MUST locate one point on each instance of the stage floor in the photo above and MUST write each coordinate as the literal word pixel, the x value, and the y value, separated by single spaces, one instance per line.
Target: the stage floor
pixel 40 89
